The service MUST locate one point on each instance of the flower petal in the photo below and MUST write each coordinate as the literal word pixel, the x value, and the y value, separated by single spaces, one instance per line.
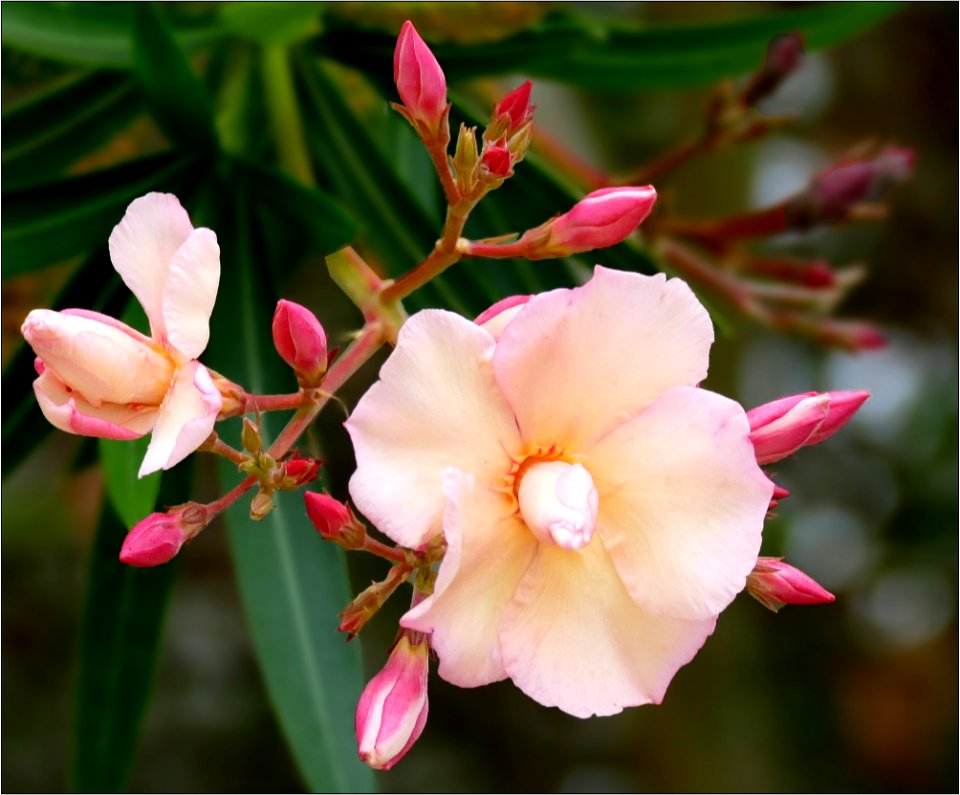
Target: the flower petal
pixel 186 418
pixel 488 550
pixel 573 638
pixel 69 412
pixel 190 293
pixel 108 362
pixel 682 502
pixel 435 406
pixel 573 363
pixel 142 245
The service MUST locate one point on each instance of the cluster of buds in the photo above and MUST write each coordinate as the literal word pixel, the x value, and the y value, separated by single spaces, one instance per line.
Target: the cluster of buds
pixel 777 430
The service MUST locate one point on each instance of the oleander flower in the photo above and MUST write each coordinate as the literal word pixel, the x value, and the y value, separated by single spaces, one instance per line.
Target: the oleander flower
pixel 599 508
pixel 99 377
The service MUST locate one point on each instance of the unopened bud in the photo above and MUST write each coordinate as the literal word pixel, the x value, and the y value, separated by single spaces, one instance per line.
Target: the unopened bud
pixel 250 437
pixel 301 341
pixel 784 55
pixel 832 195
pixel 600 219
pixel 780 428
pixel 158 538
pixel 511 114
pixel 421 84
pixel 775 584
pixel 392 710
pixel 296 472
pixel 497 161
pixel 261 504
pixel 465 159
pixel 334 520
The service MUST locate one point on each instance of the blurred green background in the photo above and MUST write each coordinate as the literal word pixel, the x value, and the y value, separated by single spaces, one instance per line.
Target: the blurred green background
pixel 860 695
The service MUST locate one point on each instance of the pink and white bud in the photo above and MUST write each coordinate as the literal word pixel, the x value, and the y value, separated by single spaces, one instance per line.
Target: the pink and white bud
pixel 420 81
pixel 775 584
pixel 392 710
pixel 497 161
pixel 600 219
pixel 558 502
pixel 300 340
pixel 780 428
pixel 158 538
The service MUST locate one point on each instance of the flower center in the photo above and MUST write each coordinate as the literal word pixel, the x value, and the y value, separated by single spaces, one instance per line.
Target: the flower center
pixel 558 502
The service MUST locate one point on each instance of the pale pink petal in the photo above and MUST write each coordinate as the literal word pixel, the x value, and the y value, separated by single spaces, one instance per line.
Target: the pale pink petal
pixel 105 362
pixel 435 406
pixel 576 362
pixel 142 245
pixel 69 412
pixel 186 418
pixel 573 638
pixel 488 550
pixel 682 502
pixel 190 292
pixel 110 321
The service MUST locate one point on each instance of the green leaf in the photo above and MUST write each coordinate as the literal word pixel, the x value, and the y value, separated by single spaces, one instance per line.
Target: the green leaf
pixel 176 96
pixel 98 34
pixel 318 219
pixel 292 584
pixel 618 57
pixel 48 132
pixel 49 223
pixel 273 23
pixel 119 642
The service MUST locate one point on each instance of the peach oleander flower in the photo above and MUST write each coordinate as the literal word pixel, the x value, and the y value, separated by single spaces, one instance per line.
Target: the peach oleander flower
pixel 99 377
pixel 600 510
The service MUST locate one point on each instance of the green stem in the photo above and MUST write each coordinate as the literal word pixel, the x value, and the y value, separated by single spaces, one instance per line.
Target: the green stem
pixel 284 114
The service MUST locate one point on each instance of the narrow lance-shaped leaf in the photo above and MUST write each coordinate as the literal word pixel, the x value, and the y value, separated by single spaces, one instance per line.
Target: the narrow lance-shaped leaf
pixel 45 134
pixel 119 645
pixel 618 57
pixel 97 34
pixel 291 583
pixel 176 96
pixel 49 223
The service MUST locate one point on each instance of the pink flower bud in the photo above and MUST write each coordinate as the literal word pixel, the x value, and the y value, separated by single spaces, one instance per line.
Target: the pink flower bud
pixel 328 515
pixel 784 55
pixel 301 341
pixel 496 318
pixel 419 78
pixel 296 472
pixel 780 428
pixel 497 161
pixel 392 710
pixel 833 194
pixel 515 106
pixel 775 584
pixel 600 219
pixel 158 538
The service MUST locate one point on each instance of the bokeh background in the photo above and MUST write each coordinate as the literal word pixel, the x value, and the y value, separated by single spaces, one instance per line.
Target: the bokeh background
pixel 860 695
